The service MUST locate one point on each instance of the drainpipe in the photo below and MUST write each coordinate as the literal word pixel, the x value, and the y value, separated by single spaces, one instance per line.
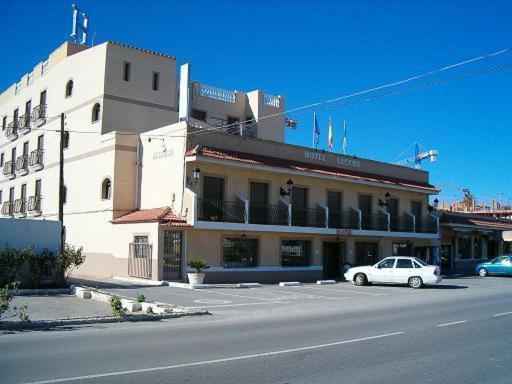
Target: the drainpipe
pixel 138 174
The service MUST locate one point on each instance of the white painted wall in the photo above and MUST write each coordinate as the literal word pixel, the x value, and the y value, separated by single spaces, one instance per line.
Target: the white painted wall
pixel 42 234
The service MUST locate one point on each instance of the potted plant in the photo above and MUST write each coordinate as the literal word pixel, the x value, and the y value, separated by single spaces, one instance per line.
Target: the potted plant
pixel 197 277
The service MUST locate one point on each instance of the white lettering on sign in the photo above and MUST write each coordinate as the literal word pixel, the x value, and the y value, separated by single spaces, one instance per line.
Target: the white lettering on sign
pixel 347 162
pixel 166 152
pixel 343 232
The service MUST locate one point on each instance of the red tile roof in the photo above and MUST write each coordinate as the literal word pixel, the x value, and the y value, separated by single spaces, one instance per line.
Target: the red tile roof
pixel 251 158
pixel 163 215
pixel 473 220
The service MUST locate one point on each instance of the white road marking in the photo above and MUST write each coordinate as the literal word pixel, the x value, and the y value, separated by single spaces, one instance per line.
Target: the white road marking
pixel 455 322
pixel 209 362
pixel 210 301
pixel 502 314
pixel 347 290
pixel 304 295
pixel 235 295
pixel 239 304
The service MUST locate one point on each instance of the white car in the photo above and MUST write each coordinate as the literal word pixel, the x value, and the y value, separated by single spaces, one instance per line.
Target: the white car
pixel 396 270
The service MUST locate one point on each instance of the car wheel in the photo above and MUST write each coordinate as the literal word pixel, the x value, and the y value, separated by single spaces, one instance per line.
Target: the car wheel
pixel 482 272
pixel 360 279
pixel 415 282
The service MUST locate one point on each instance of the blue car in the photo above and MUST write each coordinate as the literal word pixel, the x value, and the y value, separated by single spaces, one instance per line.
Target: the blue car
pixel 501 265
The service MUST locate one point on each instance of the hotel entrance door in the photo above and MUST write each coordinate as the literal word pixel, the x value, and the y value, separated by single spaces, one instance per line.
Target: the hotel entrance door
pixel 333 259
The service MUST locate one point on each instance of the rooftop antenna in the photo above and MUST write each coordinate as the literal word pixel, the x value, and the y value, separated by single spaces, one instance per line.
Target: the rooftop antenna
pixel 80 25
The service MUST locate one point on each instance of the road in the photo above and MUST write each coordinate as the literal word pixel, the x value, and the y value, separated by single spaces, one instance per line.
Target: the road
pixel 425 336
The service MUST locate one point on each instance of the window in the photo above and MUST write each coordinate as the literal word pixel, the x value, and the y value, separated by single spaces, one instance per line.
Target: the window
pixel 417 209
pixel 240 253
pixel 106 189
pixel 66 140
pixel 28 108
pixel 69 88
pixel 1 160
pixel 42 98
pixel 126 70
pixel 4 123
pixel 198 115
pixel 366 253
pixel 1 198
pixel 417 265
pixel 295 253
pixel 464 248
pixel 404 263
pixel 96 113
pixel 40 142
pixel 386 264
pixel 156 80
pixel 141 239
pixel 402 249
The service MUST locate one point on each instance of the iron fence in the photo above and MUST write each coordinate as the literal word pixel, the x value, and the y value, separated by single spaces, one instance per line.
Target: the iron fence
pixel 139 261
pixel 34 203
pixel 36 157
pixel 22 163
pixel 374 221
pixel 218 210
pixel 240 253
pixel 39 112
pixel 268 214
pixel 401 224
pixel 308 217
pixel 8 168
pixel 19 206
pixel 428 225
pixel 343 219
pixel 7 208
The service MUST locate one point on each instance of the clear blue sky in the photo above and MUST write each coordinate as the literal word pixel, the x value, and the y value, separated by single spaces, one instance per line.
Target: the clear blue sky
pixel 311 51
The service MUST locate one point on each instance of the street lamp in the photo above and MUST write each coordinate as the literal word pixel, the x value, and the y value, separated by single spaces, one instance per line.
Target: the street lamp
pixel 288 191
pixel 192 181
pixel 436 203
pixel 385 203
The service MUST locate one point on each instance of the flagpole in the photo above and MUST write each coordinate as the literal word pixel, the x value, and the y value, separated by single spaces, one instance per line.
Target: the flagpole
pixel 314 130
pixel 344 137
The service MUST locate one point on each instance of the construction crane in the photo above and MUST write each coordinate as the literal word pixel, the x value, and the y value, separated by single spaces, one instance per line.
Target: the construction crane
pixel 419 156
pixel 465 191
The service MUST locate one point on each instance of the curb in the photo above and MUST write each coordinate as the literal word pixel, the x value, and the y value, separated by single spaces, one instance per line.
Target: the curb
pixel 155 283
pixel 41 324
pixel 290 283
pixel 40 292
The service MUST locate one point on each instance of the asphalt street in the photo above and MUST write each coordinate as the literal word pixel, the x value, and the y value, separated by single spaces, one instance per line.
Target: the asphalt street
pixel 457 334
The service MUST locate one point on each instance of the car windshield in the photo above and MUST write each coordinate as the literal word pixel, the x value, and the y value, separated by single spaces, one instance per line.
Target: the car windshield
pixel 421 262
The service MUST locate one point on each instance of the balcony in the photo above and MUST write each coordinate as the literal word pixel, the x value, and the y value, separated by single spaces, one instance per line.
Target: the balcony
pixel 9 170
pixel 402 223
pixel 308 217
pixel 374 222
pixel 268 214
pixel 212 92
pixel 218 210
pixel 34 205
pixel 12 130
pixel 343 219
pixel 22 165
pixel 36 160
pixel 7 208
pixel 248 129
pixel 427 225
pixel 20 208
pixel 24 124
pixel 38 116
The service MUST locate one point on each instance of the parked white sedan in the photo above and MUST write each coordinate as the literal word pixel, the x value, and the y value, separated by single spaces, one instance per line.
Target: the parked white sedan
pixel 396 270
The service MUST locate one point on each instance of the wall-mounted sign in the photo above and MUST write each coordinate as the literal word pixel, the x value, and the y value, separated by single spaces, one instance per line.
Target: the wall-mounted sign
pixel 165 152
pixel 343 232
pixel 320 157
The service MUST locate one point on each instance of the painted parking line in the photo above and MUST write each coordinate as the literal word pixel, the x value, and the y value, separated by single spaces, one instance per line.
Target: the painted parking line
pixel 452 323
pixel 502 314
pixel 236 295
pixel 346 290
pixel 216 361
pixel 302 295
pixel 239 304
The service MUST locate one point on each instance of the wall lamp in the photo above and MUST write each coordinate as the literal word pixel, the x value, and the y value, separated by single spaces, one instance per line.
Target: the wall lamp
pixel 192 181
pixel 385 203
pixel 288 191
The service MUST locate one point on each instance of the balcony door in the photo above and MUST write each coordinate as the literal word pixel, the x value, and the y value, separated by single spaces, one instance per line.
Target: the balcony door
pixel 334 204
pixel 299 205
pixel 258 197
pixel 213 198
pixel 365 205
pixel 417 209
pixel 11 195
pixel 393 213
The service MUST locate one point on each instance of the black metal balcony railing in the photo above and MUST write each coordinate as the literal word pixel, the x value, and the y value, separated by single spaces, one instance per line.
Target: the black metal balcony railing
pixel 20 206
pixel 374 222
pixel 268 214
pixel 401 224
pixel 8 168
pixel 7 208
pixel 308 217
pixel 343 219
pixel 22 163
pixel 24 122
pixel 36 157
pixel 12 128
pixel 218 210
pixel 34 203
pixel 428 225
pixel 39 112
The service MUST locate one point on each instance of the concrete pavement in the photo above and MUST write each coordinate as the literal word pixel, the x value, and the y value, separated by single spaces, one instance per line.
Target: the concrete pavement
pixel 428 336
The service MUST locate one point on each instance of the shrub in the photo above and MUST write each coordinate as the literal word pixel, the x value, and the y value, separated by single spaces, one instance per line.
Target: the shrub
pixel 115 304
pixel 149 311
pixel 140 298
pixel 68 259
pixel 198 265
pixel 6 295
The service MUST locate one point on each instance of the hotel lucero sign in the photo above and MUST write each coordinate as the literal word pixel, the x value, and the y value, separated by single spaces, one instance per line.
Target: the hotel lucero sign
pixel 340 160
pixel 343 232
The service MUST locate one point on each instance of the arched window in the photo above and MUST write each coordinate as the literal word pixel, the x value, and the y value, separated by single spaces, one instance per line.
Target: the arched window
pixel 69 88
pixel 106 189
pixel 96 113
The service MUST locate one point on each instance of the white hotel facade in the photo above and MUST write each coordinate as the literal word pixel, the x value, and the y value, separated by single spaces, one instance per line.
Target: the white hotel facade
pixel 147 190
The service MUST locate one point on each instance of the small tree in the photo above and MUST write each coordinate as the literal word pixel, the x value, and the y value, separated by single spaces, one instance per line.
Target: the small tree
pixel 66 262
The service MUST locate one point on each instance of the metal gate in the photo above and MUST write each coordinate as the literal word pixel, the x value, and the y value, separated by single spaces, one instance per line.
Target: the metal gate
pixel 172 255
pixel 139 260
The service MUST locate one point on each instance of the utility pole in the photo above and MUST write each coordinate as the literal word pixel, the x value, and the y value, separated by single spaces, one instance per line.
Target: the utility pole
pixel 61 180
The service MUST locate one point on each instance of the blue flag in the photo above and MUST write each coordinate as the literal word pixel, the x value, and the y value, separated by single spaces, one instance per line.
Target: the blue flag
pixel 316 131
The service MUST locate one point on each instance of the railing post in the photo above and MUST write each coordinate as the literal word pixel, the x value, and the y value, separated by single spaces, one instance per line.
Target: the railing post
pixel 246 204
pixel 289 214
pixel 413 221
pixel 359 217
pixel 388 216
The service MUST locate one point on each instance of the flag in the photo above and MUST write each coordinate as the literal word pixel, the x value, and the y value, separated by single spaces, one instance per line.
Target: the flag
pixel 316 131
pixel 330 141
pixel 344 137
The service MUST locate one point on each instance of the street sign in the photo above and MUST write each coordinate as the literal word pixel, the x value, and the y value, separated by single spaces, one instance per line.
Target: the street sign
pixel 343 232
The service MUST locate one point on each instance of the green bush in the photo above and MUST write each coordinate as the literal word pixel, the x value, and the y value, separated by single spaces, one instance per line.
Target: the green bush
pixel 6 295
pixel 140 298
pixel 68 259
pixel 115 304
pixel 149 311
